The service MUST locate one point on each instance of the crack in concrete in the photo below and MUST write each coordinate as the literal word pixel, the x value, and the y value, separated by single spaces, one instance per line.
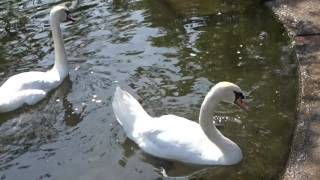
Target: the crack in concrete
pixel 308 34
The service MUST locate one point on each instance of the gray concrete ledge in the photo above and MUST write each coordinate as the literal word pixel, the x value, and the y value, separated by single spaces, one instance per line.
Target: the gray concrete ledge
pixel 302 20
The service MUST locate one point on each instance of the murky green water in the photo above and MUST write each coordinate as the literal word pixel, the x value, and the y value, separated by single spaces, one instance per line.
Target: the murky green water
pixel 169 53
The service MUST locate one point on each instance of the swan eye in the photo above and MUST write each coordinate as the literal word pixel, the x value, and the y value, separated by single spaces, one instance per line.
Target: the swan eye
pixel 238 95
pixel 67 12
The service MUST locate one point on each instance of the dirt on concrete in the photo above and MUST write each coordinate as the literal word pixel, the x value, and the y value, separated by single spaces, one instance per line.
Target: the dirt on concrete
pixel 302 20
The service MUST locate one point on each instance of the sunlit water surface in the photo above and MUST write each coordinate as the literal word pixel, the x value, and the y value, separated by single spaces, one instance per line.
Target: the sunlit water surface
pixel 168 53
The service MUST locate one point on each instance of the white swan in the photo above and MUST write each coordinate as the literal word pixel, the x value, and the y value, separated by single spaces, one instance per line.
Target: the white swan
pixel 30 87
pixel 177 138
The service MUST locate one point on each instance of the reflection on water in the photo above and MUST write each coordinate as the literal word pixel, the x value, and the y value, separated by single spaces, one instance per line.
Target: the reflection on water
pixel 166 52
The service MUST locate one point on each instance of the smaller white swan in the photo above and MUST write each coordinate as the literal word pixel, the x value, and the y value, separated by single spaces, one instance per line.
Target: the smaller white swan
pixel 177 138
pixel 30 87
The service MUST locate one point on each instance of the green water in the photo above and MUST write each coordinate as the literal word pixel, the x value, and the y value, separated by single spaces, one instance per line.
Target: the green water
pixel 168 53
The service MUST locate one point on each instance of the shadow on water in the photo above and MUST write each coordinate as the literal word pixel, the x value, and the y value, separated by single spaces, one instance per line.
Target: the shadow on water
pixel 168 53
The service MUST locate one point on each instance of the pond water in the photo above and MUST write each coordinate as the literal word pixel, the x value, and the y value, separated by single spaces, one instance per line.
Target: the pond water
pixel 168 53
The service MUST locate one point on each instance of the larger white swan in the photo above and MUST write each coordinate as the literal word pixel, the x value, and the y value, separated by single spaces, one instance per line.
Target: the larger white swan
pixel 30 87
pixel 177 138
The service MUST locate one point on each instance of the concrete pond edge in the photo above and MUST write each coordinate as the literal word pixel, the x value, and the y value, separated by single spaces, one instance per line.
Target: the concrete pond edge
pixel 301 18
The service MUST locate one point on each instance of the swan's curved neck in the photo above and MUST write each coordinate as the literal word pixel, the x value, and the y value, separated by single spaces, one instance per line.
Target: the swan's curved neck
pixel 60 63
pixel 229 149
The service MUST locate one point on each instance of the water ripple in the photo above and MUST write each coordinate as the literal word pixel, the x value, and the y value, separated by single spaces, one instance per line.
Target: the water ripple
pixel 168 54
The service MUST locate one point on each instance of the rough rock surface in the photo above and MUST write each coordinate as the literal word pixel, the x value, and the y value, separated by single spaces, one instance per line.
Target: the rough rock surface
pixel 302 20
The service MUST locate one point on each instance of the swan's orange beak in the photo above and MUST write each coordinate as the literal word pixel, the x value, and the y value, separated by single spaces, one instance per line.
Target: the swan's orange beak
pixel 242 104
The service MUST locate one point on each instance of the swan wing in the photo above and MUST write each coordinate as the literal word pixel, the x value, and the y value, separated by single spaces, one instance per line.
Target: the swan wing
pixel 26 88
pixel 29 96
pixel 30 80
pixel 173 137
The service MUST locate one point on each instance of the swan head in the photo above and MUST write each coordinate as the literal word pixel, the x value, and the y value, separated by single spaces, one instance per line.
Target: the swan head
pixel 230 93
pixel 61 13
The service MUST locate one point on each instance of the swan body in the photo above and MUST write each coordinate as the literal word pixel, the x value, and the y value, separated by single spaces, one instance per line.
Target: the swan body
pixel 30 87
pixel 176 138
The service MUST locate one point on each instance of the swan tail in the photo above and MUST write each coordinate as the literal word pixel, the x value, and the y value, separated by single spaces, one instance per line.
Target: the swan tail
pixel 128 111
